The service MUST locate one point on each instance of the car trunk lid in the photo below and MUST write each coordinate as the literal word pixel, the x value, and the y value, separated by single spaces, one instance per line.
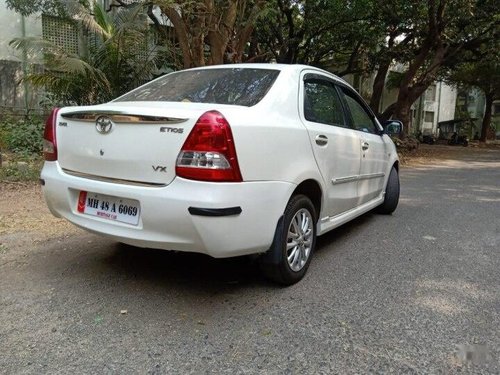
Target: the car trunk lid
pixel 134 142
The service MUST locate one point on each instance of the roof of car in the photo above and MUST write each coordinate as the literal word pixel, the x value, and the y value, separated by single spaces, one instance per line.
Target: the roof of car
pixel 297 67
pixel 282 67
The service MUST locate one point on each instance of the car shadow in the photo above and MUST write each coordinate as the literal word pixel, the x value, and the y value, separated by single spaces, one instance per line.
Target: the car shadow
pixel 192 269
pixel 188 269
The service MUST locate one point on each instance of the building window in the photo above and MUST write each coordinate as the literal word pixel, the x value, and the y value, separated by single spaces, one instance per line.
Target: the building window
pixel 60 32
pixel 429 117
pixel 430 93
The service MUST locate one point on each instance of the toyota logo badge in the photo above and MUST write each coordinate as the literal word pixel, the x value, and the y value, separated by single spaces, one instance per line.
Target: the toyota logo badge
pixel 103 124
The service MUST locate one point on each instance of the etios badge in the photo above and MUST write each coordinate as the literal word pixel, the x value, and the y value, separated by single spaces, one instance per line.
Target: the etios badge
pixel 103 124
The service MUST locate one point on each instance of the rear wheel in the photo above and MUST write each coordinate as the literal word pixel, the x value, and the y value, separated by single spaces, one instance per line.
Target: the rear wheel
pixel 290 254
pixel 391 198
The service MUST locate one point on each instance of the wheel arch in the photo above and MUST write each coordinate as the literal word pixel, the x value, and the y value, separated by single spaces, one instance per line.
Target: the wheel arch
pixel 311 189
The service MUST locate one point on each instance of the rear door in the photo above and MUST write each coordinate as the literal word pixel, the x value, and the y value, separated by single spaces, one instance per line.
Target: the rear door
pixel 374 151
pixel 336 147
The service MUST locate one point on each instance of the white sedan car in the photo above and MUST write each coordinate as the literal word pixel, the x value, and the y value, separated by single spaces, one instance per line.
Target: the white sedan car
pixel 223 160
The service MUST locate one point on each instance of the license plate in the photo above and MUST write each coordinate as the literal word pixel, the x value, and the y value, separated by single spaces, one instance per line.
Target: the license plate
pixel 109 207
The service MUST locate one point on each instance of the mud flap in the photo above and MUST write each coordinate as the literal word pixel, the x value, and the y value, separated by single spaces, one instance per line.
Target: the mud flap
pixel 273 255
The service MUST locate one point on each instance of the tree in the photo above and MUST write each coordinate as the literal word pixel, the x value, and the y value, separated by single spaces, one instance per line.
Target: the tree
pixel 28 7
pixel 424 38
pixel 441 33
pixel 116 59
pixel 485 76
pixel 334 34
pixel 395 24
pixel 212 31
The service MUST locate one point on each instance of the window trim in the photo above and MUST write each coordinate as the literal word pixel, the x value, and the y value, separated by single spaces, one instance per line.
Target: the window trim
pixel 321 78
pixel 355 95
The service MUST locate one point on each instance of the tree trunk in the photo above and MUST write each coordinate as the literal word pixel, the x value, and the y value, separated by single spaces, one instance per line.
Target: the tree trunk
pixel 378 86
pixel 210 22
pixel 402 112
pixel 220 31
pixel 244 35
pixel 181 33
pixel 487 117
pixel 406 97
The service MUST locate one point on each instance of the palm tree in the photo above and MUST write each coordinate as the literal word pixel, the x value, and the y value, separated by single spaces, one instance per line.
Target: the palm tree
pixel 116 58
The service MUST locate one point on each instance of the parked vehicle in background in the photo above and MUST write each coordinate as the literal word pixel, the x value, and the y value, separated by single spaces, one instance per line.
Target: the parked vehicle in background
pixel 458 140
pixel 223 160
pixel 427 138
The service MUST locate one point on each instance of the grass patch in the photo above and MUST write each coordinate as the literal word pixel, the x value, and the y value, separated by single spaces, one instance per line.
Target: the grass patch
pixel 21 149
pixel 17 168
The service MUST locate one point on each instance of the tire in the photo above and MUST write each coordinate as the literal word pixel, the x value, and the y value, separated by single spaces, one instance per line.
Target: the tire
pixel 391 198
pixel 285 263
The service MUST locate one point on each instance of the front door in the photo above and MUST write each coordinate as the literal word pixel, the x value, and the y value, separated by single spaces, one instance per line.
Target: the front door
pixel 374 151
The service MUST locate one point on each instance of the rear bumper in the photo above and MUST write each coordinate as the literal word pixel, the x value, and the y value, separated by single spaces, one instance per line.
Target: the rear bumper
pixel 226 219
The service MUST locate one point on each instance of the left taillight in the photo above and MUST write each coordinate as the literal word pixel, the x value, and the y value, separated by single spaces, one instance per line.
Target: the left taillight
pixel 49 137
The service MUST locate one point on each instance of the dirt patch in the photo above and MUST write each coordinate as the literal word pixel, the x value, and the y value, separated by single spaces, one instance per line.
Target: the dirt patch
pixel 25 218
pixel 432 154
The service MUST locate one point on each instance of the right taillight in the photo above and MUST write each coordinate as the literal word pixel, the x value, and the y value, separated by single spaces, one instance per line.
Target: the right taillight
pixel 209 153
pixel 49 137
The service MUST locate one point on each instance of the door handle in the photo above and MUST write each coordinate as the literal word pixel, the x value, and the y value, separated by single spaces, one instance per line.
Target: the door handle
pixel 365 146
pixel 321 140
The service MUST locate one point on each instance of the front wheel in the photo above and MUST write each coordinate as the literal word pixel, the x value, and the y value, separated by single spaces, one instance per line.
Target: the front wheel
pixel 391 198
pixel 290 254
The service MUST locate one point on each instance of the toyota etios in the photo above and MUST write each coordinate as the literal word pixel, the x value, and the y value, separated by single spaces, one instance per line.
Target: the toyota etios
pixel 223 160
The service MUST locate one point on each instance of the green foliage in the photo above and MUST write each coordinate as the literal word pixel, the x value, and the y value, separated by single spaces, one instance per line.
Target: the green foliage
pixel 21 169
pixel 117 58
pixel 21 148
pixel 28 7
pixel 23 137
pixel 484 75
pixel 393 80
pixel 4 134
pixel 343 37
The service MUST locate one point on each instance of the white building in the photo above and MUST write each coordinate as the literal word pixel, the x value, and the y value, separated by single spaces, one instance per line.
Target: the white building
pixel 14 95
pixel 436 105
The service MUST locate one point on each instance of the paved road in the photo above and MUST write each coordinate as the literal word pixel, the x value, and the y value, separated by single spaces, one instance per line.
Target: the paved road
pixel 415 292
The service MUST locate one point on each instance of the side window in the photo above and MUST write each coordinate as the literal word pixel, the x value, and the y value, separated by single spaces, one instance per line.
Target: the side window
pixel 361 119
pixel 322 103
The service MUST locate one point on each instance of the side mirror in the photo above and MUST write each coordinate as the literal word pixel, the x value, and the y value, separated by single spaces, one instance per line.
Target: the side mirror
pixel 393 127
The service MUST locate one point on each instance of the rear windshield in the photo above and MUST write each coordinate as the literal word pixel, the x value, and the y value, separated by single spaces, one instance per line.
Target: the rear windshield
pixel 237 86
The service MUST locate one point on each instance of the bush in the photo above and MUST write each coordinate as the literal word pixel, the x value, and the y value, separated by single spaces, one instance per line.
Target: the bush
pixel 23 137
pixel 409 143
pixel 21 170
